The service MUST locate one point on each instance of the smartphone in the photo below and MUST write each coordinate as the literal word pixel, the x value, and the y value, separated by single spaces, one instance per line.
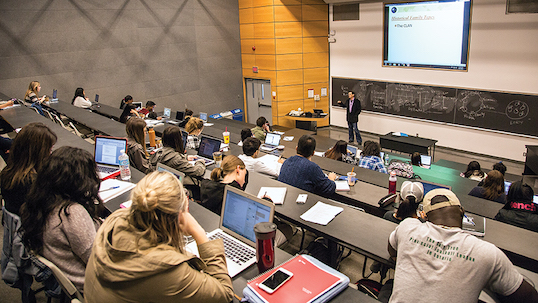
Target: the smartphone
pixel 274 281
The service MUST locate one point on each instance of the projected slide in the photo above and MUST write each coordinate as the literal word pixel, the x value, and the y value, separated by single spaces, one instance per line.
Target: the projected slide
pixel 429 34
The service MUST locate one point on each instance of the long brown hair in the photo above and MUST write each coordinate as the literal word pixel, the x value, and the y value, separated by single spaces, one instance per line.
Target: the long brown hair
pixel 228 165
pixel 493 185
pixel 194 124
pixel 30 148
pixel 173 138
pixel 336 152
pixel 135 128
pixel 157 201
pixel 32 88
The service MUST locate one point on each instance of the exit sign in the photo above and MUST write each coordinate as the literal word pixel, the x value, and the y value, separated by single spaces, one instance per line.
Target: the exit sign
pixel 255 69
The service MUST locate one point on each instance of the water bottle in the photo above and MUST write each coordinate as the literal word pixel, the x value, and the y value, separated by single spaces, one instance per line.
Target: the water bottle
pixel 125 170
pixel 386 159
pixel 151 133
pixel 392 182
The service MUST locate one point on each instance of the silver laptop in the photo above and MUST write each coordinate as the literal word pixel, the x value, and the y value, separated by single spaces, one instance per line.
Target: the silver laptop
pixel 426 161
pixel 272 141
pixel 166 168
pixel 352 151
pixel 207 147
pixel 203 116
pixel 240 212
pixel 167 112
pixel 106 154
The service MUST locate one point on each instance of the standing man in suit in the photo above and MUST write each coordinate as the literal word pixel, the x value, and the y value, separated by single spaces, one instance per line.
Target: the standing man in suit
pixel 353 109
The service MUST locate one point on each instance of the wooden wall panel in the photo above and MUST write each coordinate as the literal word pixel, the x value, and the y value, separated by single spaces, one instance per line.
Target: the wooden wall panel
pixel 285 107
pixel 288 13
pixel 286 2
pixel 263 46
pixel 289 77
pixel 316 29
pixel 290 61
pixel 258 3
pixel 306 2
pixel 289 45
pixel 263 14
pixel 291 92
pixel 315 45
pixel 265 62
pixel 247 31
pixel 261 74
pixel 246 16
pixel 315 12
pixel 248 60
pixel 317 89
pixel 283 121
pixel 264 30
pixel 288 29
pixel 245 3
pixel 316 75
pixel 311 60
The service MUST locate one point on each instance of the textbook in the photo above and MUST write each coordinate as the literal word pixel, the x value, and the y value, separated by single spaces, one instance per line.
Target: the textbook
pixel 312 281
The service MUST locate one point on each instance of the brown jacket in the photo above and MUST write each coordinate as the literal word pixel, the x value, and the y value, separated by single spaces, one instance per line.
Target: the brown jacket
pixel 119 271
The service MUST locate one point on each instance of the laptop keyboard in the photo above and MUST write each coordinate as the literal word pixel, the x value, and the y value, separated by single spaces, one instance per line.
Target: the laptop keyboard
pixel 233 250
pixel 106 169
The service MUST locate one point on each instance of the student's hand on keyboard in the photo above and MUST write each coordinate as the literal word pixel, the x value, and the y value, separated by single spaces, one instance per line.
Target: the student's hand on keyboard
pixel 191 158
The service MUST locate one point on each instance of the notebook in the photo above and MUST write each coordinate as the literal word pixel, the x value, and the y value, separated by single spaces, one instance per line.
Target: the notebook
pixel 271 142
pixel 106 153
pixel 426 161
pixel 166 168
pixel 207 147
pixel 240 212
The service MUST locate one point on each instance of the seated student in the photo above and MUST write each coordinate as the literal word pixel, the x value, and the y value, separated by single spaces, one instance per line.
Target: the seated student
pixel 519 209
pixel 262 128
pixel 233 172
pixel 415 159
pixel 411 194
pixel 173 155
pixel 339 152
pixel 80 100
pixel 473 172
pixel 493 188
pixel 31 96
pixel 251 151
pixel 499 166
pixel 370 157
pixel 149 111
pixel 438 262
pixel 61 216
pixel 5 146
pixel 188 116
pixel 29 152
pixel 245 133
pixel 129 110
pixel 301 172
pixel 139 253
pixel 194 128
pixel 136 145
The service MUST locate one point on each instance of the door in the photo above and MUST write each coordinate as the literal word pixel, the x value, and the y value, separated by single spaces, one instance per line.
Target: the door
pixel 258 100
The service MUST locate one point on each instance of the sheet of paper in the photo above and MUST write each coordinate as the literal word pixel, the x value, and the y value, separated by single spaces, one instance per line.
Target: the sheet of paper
pixel 288 138
pixel 276 194
pixel 111 188
pixel 342 185
pixel 321 213
pixel 278 133
pixel 208 124
pixel 319 154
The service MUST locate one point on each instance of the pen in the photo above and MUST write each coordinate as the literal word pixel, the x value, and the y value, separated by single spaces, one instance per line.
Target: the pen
pixel 470 220
pixel 114 187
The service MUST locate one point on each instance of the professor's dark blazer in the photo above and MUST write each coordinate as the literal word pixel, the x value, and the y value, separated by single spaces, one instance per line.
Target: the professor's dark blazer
pixel 352 117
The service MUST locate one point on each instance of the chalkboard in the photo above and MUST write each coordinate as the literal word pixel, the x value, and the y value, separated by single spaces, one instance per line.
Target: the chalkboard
pixel 509 112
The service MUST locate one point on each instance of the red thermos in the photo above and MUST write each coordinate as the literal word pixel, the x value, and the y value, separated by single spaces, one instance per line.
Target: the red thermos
pixel 265 245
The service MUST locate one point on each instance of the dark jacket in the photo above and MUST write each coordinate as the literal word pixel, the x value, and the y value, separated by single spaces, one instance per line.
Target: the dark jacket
pixel 212 193
pixel 352 117
pixel 519 217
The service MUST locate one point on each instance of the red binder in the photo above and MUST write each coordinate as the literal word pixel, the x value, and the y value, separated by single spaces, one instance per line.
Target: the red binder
pixel 308 282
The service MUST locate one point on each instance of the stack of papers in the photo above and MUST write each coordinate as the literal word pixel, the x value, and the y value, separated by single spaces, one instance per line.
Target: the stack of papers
pixel 288 138
pixel 111 188
pixel 342 185
pixel 276 194
pixel 321 213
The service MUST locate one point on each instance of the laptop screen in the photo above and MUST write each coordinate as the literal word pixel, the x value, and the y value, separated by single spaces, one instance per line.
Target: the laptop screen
pixel 426 160
pixel 167 112
pixel 535 199
pixel 54 94
pixel 352 149
pixel 203 116
pixel 507 186
pixel 180 116
pixel 430 186
pixel 107 149
pixel 272 139
pixel 138 105
pixel 185 136
pixel 96 98
pixel 208 146
pixel 178 174
pixel 242 211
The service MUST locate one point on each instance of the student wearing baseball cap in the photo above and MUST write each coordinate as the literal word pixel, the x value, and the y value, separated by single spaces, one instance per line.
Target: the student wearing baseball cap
pixel 411 194
pixel 438 262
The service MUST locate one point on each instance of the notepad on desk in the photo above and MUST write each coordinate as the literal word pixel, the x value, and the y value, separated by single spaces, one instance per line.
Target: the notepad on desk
pixel 111 188
pixel 342 185
pixel 321 213
pixel 276 194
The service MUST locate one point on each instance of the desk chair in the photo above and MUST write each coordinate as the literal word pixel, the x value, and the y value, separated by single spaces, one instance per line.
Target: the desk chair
pixel 49 115
pixel 86 137
pixel 67 286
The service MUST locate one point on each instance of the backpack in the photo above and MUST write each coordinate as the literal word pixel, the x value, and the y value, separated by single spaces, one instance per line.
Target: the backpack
pixel 401 168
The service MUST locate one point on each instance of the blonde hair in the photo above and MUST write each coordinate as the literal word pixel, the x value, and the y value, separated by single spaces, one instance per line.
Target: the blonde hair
pixel 157 201
pixel 194 124
pixel 228 165
pixel 135 128
pixel 32 88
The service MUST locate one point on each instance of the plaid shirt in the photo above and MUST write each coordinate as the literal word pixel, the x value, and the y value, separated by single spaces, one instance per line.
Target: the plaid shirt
pixel 373 163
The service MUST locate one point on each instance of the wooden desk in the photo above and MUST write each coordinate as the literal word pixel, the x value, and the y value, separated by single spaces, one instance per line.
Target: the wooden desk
pixel 308 123
pixel 408 145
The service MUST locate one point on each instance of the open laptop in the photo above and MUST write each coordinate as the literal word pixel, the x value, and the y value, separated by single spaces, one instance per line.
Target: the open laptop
pixel 352 151
pixel 177 173
pixel 106 154
pixel 166 113
pixel 138 105
pixel 180 116
pixel 507 186
pixel 430 186
pixel 207 147
pixel 240 212
pixel 426 161
pixel 184 135
pixel 203 116
pixel 272 141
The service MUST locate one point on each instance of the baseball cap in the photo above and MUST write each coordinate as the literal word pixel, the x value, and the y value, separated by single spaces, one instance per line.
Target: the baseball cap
pixel 439 198
pixel 414 189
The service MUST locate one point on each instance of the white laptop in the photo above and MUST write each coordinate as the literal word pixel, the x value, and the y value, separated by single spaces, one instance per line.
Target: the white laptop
pixel 240 212
pixel 203 116
pixel 426 161
pixel 352 151
pixel 207 147
pixel 271 142
pixel 166 168
pixel 106 154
